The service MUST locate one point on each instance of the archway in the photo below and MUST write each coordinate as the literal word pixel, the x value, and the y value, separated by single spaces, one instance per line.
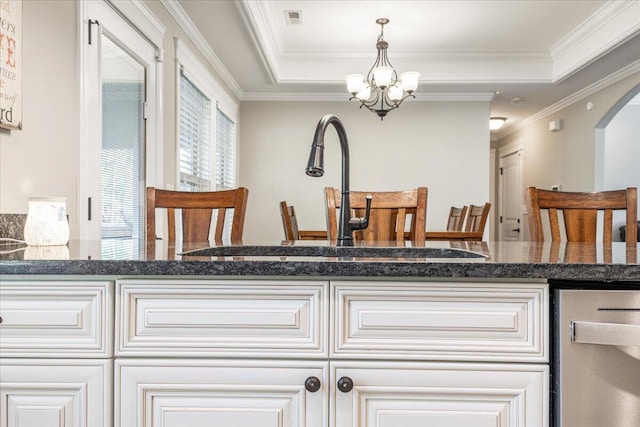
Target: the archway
pixel 617 148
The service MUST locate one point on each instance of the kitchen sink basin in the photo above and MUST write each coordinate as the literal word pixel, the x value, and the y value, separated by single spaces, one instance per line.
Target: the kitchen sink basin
pixel 333 251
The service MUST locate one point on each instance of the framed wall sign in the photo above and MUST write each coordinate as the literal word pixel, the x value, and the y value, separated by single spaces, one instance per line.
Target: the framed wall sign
pixel 11 64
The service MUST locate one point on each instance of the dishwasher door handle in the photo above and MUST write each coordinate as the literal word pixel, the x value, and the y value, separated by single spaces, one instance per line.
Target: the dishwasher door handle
pixel 605 333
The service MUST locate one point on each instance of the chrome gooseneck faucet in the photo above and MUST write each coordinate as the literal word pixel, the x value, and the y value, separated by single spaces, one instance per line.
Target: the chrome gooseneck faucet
pixel 315 168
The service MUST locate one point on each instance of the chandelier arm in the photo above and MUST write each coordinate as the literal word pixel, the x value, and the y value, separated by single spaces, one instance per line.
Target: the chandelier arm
pixel 371 102
pixel 395 74
pixel 373 67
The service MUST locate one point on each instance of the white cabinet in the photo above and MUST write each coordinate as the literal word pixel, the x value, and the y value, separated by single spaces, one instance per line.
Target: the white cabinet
pixel 56 347
pixel 55 393
pixel 440 321
pixel 394 394
pixel 48 318
pixel 251 352
pixel 416 353
pixel 222 318
pixel 199 393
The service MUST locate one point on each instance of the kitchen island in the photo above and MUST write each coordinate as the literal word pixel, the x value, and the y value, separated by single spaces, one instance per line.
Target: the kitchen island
pixel 254 335
pixel 579 261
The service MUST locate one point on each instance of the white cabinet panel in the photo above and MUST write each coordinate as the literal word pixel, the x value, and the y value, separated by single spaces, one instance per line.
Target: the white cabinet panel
pixel 55 393
pixel 56 319
pixel 197 393
pixel 396 394
pixel 222 318
pixel 440 321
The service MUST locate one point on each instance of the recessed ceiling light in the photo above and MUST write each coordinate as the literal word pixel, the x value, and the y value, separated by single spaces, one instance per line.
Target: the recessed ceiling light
pixel 496 123
pixel 515 101
pixel 293 17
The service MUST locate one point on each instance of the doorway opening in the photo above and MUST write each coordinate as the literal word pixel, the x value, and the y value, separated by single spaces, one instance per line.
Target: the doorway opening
pixel 617 149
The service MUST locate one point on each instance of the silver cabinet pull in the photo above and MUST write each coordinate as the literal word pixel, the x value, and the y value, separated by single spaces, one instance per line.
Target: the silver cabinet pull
pixel 605 333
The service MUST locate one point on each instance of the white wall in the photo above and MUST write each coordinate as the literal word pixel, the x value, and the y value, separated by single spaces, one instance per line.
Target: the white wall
pixel 42 158
pixel 567 156
pixel 622 155
pixel 441 145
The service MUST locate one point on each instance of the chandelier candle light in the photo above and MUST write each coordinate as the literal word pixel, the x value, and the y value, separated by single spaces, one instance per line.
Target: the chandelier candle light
pixel 381 90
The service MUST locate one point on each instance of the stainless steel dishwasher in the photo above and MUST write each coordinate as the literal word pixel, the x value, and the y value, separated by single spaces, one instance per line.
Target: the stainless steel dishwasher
pixel 597 358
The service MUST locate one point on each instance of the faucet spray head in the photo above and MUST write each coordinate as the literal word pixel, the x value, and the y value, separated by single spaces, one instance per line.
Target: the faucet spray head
pixel 315 165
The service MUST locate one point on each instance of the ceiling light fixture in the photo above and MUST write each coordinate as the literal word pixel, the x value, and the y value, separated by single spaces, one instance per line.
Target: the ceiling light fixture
pixel 381 90
pixel 496 123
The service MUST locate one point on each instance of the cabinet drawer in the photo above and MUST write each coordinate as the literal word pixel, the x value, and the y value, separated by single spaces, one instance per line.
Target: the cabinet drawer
pixel 56 319
pixel 240 318
pixel 440 321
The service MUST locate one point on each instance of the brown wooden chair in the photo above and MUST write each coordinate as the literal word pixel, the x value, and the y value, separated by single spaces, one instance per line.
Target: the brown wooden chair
pixel 197 210
pixel 290 225
pixel 477 217
pixel 389 212
pixel 580 214
pixel 456 218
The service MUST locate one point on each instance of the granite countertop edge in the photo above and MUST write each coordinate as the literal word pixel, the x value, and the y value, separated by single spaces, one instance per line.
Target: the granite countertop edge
pixel 288 268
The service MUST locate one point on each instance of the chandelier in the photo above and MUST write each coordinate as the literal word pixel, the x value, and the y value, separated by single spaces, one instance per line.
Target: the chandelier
pixel 381 90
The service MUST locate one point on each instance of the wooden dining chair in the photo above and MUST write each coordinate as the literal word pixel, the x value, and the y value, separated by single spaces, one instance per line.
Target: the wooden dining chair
pixel 389 213
pixel 580 214
pixel 477 217
pixel 197 211
pixel 456 218
pixel 290 226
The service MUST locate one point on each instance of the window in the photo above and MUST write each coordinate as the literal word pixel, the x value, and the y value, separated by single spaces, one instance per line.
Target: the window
pixel 195 138
pixel 207 146
pixel 225 151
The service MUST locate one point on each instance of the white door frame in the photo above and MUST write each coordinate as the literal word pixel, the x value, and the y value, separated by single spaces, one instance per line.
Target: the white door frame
pixel 150 28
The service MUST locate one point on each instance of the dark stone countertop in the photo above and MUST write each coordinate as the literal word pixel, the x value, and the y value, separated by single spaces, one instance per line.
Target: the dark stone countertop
pixel 505 260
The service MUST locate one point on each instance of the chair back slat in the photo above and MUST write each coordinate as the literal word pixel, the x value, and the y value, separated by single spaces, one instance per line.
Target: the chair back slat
pixel 456 218
pixel 477 218
pixel 195 225
pixel 580 214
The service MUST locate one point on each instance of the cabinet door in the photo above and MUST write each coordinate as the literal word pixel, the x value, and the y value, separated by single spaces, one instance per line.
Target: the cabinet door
pixel 55 393
pixel 443 395
pixel 204 393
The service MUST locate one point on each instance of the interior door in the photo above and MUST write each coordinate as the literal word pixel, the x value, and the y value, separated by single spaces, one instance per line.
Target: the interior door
pixel 511 198
pixel 121 84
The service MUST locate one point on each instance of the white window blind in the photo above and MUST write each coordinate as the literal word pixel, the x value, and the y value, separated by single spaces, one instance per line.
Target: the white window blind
pixel 225 152
pixel 195 138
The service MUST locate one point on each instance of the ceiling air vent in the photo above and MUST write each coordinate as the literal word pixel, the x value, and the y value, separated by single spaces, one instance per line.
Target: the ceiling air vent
pixel 293 17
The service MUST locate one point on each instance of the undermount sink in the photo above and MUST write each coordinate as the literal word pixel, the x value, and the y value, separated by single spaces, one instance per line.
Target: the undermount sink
pixel 333 251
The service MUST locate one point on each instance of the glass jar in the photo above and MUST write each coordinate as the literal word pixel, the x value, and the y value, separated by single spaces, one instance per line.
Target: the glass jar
pixel 47 223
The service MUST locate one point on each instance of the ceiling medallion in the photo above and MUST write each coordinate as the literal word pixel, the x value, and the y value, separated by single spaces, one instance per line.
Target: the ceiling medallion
pixel 381 90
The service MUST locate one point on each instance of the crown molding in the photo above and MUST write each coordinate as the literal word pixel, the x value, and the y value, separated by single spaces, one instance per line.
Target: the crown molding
pixel 187 25
pixel 609 27
pixel 258 21
pixel 339 97
pixel 603 83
